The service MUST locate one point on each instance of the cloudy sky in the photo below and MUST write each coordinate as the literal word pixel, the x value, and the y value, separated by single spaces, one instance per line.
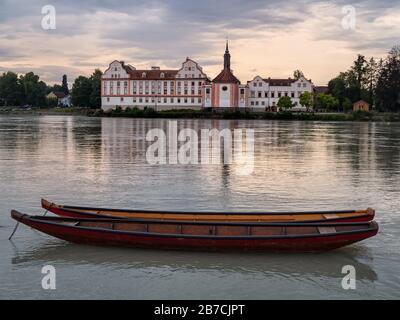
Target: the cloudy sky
pixel 270 38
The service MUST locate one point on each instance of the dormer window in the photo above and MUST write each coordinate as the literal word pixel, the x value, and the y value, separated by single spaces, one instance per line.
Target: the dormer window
pixel 162 75
pixel 144 75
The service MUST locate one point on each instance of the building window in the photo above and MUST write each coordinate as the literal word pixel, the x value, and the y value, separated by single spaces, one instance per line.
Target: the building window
pixel 108 99
pixel 144 75
pixel 260 94
pixel 162 75
pixel 224 88
pixel 122 99
pixel 208 90
pixel 260 84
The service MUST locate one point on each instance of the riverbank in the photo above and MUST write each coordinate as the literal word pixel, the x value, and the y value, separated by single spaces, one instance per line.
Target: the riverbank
pixel 233 115
pixel 200 114
pixel 47 111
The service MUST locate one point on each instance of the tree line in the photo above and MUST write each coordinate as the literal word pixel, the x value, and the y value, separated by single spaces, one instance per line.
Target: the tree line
pixel 376 81
pixel 28 89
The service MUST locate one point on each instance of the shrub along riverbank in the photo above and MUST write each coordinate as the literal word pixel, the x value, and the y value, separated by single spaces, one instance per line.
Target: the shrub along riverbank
pixel 194 114
pixel 48 111
pixel 309 116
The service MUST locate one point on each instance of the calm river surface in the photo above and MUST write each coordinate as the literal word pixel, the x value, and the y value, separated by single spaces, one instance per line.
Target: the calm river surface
pixel 101 162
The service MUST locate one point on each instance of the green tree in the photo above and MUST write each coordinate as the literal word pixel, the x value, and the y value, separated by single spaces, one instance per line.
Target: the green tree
pixel 297 74
pixel 306 99
pixel 359 70
pixel 9 89
pixel 285 103
pixel 54 88
pixel 95 95
pixel 81 91
pixel 327 101
pixel 388 85
pixel 33 90
pixel 338 88
pixel 64 84
pixel 347 105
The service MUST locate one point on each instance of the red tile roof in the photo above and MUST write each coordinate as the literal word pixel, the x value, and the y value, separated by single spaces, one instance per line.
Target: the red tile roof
pixel 226 76
pixel 59 95
pixel 280 82
pixel 321 89
pixel 151 74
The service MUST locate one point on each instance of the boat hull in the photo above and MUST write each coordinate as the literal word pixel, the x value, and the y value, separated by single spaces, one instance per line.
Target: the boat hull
pixel 107 237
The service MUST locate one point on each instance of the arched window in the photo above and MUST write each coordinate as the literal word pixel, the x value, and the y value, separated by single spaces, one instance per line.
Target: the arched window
pixel 144 75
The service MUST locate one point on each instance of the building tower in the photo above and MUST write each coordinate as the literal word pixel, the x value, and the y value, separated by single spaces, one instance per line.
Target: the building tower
pixel 225 87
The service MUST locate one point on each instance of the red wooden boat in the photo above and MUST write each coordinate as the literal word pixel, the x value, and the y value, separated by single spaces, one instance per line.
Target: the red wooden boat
pixel 317 216
pixel 214 236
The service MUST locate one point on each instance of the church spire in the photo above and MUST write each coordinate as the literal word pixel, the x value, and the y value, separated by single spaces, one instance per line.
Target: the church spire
pixel 227 57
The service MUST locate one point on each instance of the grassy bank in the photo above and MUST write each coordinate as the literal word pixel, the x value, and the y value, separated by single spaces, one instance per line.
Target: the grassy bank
pixel 193 114
pixel 47 111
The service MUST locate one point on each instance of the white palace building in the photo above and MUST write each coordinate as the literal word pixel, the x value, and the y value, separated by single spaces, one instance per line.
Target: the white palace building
pixel 190 88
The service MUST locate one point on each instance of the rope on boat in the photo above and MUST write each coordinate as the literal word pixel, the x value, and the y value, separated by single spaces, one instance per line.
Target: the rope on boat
pixel 47 210
pixel 15 229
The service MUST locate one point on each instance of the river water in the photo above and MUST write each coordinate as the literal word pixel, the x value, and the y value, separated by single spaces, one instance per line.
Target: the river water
pixel 102 162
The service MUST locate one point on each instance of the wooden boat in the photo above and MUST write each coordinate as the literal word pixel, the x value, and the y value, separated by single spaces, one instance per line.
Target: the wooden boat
pixel 321 216
pixel 214 236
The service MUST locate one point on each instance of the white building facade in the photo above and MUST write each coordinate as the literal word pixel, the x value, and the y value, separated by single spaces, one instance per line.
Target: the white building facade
pixel 190 88
pixel 264 94
pixel 124 86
